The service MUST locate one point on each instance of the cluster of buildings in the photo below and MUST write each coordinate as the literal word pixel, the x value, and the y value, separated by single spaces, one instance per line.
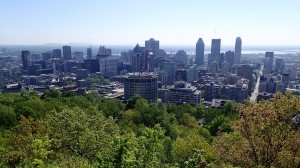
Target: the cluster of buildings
pixel 277 77
pixel 152 73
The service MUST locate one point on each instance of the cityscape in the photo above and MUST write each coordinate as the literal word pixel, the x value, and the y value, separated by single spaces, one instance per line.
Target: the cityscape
pixel 194 77
pixel 150 84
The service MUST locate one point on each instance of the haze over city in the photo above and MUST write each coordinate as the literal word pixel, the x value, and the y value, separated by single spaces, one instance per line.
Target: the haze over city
pixel 173 22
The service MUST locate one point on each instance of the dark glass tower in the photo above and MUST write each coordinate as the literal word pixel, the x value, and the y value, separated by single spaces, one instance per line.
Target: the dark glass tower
pixel 237 51
pixel 153 45
pixel 215 50
pixel 89 54
pixel 25 59
pixel 67 54
pixel 199 57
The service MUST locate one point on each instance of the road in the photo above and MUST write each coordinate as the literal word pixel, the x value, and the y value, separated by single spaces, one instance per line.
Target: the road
pixel 254 94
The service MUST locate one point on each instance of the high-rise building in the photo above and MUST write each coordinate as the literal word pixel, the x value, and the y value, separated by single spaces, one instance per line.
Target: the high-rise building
pixel 279 65
pixel 181 57
pixel 229 58
pixel 109 66
pixel 46 55
pixel 169 68
pixel 153 45
pixel 215 50
pixel 142 84
pixel 67 53
pixel 268 63
pixel 224 67
pixel 92 65
pixel 89 54
pixel 138 61
pixel 25 59
pixel 149 61
pixel 237 51
pixel 199 57
pixel 56 53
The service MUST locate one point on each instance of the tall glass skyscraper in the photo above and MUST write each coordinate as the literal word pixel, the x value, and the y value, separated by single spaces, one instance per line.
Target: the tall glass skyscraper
pixel 237 51
pixel 215 50
pixel 199 57
pixel 25 59
pixel 67 54
pixel 153 45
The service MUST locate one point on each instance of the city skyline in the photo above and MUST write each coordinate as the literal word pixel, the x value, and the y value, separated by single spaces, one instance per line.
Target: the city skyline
pixel 130 22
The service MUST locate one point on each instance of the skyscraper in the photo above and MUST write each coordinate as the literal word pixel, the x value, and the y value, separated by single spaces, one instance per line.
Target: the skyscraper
pixel 199 58
pixel 229 55
pixel 268 64
pixel 215 50
pixel 67 54
pixel 279 65
pixel 153 45
pixel 89 54
pixel 56 53
pixel 138 59
pixel 25 59
pixel 237 51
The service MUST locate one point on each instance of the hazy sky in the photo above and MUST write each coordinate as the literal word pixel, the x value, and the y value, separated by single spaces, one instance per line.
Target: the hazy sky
pixel 172 22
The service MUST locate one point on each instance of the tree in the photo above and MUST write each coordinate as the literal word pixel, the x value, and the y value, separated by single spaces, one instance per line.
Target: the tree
pixel 19 149
pixel 80 134
pixel 183 148
pixel 266 135
pixel 8 117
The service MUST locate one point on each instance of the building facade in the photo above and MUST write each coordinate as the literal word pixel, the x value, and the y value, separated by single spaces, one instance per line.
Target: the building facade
pixel 142 84
pixel 199 57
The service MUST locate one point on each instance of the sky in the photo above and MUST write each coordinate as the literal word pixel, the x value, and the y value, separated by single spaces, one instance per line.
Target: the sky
pixel 172 22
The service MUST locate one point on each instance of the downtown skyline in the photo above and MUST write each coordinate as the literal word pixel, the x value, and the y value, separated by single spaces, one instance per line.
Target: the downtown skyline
pixel 259 23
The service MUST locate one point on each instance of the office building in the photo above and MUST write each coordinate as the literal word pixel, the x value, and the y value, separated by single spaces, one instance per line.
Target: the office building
pixel 138 59
pixel 237 51
pixel 46 55
pixel 142 84
pixel 25 59
pixel 199 57
pixel 224 67
pixel 67 53
pixel 56 53
pixel 215 51
pixel 92 65
pixel 89 54
pixel 181 57
pixel 279 65
pixel 229 58
pixel 109 66
pixel 152 45
pixel 168 66
pixel 149 61
pixel 183 92
pixel 181 75
pixel 268 63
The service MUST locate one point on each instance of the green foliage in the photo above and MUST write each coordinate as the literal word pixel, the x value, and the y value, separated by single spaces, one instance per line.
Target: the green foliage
pixel 183 148
pixel 63 129
pixel 40 150
pixel 197 160
pixel 8 117
pixel 76 132
pixel 220 124
pixel 111 107
pixel 265 135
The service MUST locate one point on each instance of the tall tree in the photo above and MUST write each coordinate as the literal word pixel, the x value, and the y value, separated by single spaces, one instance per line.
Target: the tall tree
pixel 266 135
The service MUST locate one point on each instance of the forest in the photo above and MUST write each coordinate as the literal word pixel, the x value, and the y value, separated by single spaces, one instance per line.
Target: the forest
pixel 63 129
